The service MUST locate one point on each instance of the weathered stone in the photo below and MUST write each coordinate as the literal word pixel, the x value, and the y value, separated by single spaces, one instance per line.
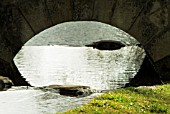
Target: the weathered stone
pixel 31 11
pixel 150 26
pixel 147 21
pixel 82 9
pixel 59 10
pixel 126 13
pixel 160 49
pixel 104 10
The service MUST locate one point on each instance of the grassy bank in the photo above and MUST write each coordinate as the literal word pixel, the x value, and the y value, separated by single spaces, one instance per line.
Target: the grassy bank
pixel 130 100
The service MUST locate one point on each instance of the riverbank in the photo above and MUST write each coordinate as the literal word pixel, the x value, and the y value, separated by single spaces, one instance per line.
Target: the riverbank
pixel 131 100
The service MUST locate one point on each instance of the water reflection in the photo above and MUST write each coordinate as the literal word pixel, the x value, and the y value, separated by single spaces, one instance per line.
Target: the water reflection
pixel 102 70
pixel 46 65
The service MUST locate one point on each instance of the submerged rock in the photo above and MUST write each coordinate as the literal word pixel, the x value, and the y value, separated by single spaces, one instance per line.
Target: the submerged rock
pixel 72 90
pixel 106 45
pixel 5 83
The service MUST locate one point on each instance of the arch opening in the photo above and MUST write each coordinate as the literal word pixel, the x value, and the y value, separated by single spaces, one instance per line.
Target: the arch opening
pixel 75 35
pixel 149 26
pixel 148 21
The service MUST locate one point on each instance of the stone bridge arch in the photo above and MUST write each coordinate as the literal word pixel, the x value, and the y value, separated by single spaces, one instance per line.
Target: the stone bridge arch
pixel 146 20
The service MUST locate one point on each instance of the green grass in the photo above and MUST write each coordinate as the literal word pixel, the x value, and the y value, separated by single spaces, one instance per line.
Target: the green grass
pixel 129 101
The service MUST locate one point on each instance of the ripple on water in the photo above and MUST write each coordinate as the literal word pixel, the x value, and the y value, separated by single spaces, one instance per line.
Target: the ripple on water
pixel 19 100
pixel 46 65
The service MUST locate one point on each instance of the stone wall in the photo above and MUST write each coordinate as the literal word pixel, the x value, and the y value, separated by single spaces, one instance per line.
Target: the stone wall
pixel 146 20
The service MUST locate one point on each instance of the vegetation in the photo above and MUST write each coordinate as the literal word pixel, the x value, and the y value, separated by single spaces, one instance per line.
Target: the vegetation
pixel 141 100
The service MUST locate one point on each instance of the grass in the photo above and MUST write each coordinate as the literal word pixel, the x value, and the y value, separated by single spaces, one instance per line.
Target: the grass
pixel 129 100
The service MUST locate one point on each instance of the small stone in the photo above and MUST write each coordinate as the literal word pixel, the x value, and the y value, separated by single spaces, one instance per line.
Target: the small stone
pixel 72 90
pixel 106 45
pixel 5 83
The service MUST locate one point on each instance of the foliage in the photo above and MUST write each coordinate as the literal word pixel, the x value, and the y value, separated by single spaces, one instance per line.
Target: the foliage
pixel 142 100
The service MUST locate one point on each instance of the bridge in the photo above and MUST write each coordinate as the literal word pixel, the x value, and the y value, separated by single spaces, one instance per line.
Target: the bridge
pixel 146 20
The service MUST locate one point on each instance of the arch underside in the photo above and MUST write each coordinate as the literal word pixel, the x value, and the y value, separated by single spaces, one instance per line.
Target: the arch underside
pixel 147 21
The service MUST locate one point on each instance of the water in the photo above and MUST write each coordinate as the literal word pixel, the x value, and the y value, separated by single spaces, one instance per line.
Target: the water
pixel 80 33
pixel 20 100
pixel 64 65
pixel 45 65
pixel 69 62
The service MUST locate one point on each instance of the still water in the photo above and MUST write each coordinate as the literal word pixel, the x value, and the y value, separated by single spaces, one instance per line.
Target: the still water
pixel 45 65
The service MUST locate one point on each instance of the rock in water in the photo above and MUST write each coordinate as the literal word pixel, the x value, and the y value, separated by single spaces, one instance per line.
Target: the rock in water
pixel 5 83
pixel 106 45
pixel 72 90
